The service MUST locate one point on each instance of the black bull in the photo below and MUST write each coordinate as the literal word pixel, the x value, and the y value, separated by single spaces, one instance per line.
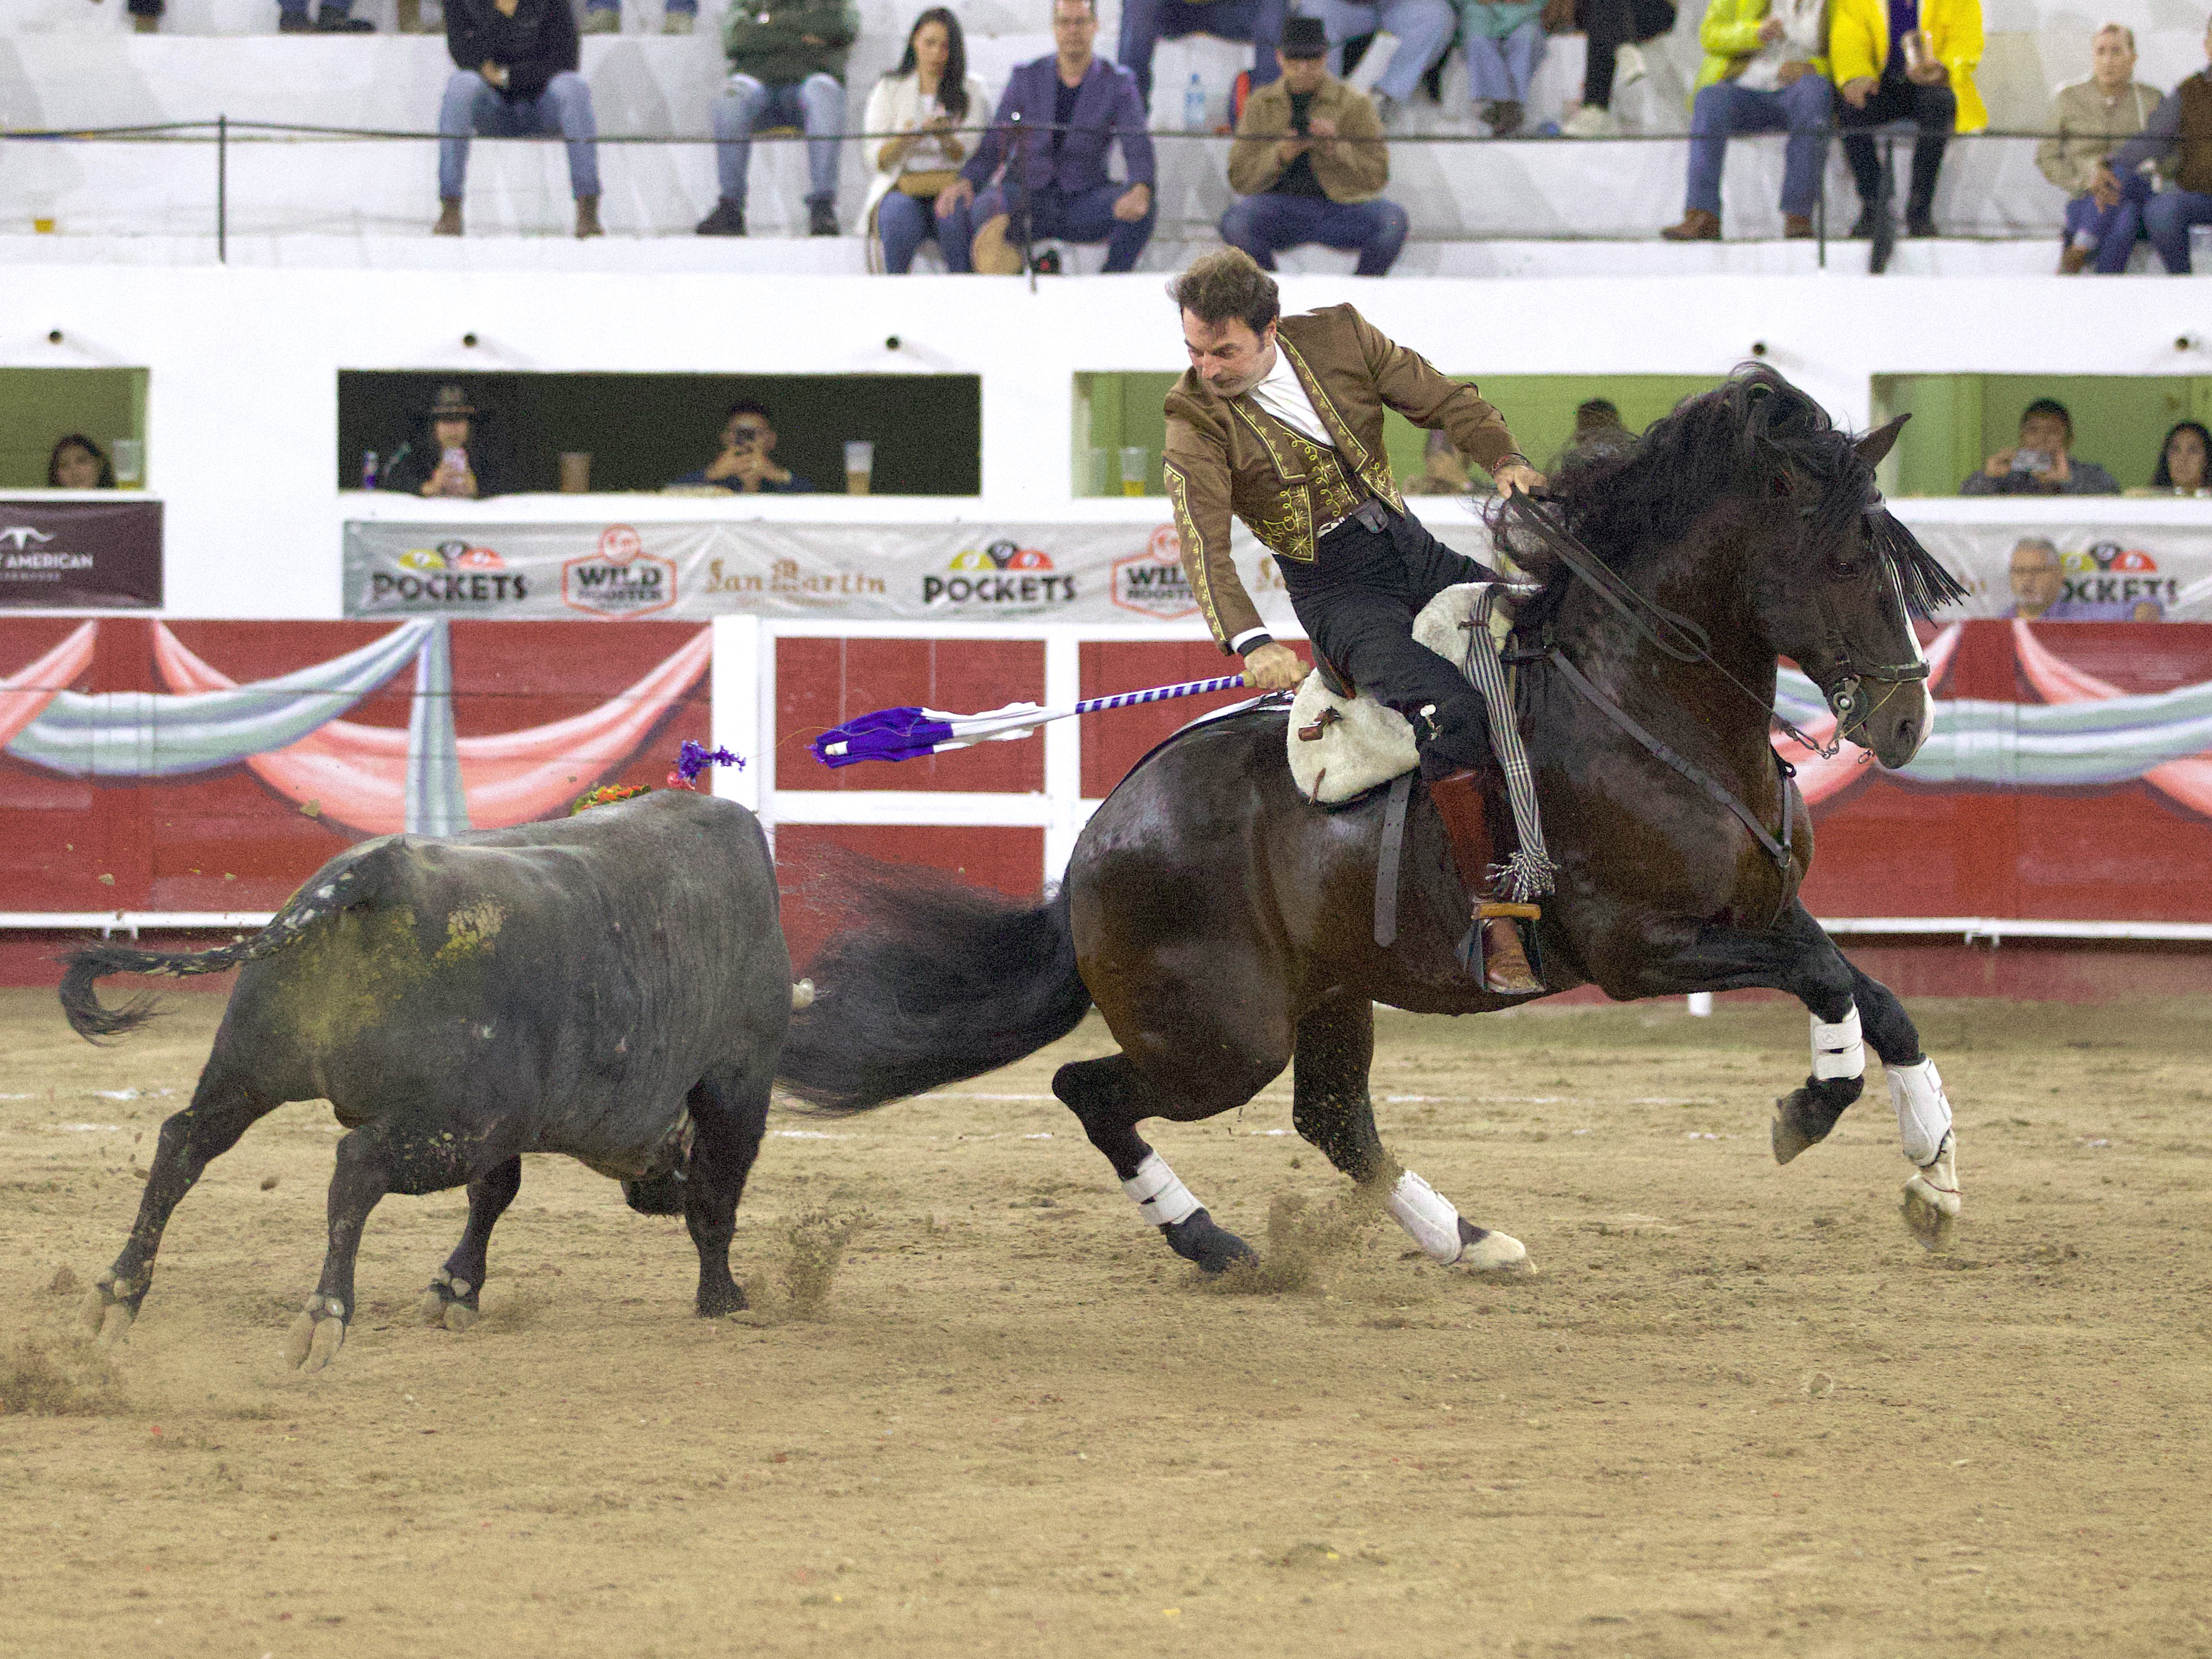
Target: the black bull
pixel 613 986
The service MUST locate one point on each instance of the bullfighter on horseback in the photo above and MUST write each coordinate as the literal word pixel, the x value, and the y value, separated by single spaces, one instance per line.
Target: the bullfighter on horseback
pixel 1279 421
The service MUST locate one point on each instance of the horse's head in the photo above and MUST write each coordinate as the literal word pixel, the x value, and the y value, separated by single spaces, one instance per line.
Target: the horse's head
pixel 1837 590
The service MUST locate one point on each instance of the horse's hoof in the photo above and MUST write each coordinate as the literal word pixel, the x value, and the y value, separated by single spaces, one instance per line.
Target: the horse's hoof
pixel 1931 1214
pixel 1486 1252
pixel 1804 1117
pixel 1215 1249
pixel 316 1335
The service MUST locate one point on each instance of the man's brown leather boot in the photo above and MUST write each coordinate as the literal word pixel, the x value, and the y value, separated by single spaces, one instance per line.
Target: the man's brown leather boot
pixel 449 217
pixel 1505 967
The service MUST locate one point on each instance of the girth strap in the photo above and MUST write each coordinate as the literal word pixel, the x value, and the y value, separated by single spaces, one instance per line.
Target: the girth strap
pixel 1386 861
pixel 1777 850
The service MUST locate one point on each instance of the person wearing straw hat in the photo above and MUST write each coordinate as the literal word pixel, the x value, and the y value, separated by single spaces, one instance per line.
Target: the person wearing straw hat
pixel 450 457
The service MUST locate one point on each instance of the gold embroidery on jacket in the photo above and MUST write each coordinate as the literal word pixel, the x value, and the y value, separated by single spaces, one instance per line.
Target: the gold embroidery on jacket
pixel 1193 549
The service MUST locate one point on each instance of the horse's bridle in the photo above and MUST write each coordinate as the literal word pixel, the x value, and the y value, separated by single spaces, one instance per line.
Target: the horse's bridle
pixel 1845 689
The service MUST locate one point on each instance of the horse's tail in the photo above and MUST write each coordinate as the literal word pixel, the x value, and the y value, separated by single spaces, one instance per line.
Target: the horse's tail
pixel 939 982
pixel 91 1019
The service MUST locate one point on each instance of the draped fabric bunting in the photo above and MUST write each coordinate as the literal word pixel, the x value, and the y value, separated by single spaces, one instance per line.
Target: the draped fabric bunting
pixel 2188 782
pixel 374 780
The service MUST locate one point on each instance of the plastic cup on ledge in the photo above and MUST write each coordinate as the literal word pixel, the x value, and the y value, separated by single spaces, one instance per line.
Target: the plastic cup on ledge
pixel 575 472
pixel 2200 250
pixel 1136 462
pixel 860 466
pixel 129 455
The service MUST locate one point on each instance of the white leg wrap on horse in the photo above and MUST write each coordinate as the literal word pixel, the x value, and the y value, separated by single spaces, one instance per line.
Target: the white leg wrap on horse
pixel 1923 1114
pixel 1163 1199
pixel 1837 1050
pixel 1428 1215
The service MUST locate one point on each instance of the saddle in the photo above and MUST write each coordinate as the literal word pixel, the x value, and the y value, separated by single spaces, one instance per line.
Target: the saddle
pixel 1343 744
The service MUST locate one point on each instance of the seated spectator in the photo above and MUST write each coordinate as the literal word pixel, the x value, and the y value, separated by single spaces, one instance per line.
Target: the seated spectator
pixel 1597 429
pixel 2038 591
pixel 77 463
pixel 2182 460
pixel 1422 28
pixel 1925 74
pixel 1072 107
pixel 922 101
pixel 2040 464
pixel 2089 120
pixel 1145 23
pixel 747 465
pixel 451 459
pixel 1443 469
pixel 515 76
pixel 1310 163
pixel 787 68
pixel 1613 29
pixel 1504 42
pixel 1765 71
pixel 2178 134
pixel 604 17
pixel 333 17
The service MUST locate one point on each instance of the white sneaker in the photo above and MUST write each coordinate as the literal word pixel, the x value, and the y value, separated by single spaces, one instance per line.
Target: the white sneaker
pixel 1590 122
pixel 1628 66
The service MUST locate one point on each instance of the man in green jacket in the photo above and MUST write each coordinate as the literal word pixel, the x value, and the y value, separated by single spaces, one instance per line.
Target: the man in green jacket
pixel 787 68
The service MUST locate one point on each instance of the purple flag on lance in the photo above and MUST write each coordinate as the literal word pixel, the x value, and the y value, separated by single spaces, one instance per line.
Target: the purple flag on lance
pixel 80 554
pixel 897 734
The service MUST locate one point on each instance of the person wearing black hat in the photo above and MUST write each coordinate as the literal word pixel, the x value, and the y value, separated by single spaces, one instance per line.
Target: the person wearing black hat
pixel 1310 163
pixel 450 459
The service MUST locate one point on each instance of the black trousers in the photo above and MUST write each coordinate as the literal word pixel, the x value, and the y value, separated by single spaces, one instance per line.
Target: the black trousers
pixel 1610 25
pixel 1356 602
pixel 1934 110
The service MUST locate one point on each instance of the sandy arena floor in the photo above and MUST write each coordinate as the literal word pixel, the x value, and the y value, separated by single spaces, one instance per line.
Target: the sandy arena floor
pixel 1735 1409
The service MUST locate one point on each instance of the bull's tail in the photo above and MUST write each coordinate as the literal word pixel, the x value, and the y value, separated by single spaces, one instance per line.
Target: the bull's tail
pixel 939 982
pixel 324 896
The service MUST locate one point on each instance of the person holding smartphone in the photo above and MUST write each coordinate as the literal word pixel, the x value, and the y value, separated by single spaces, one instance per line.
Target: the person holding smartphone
pixel 1310 163
pixel 451 459
pixel 2042 462
pixel 746 463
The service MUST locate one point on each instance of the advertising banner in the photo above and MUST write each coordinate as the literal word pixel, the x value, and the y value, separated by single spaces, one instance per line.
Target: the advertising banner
pixel 2166 567
pixel 80 555
pixel 980 571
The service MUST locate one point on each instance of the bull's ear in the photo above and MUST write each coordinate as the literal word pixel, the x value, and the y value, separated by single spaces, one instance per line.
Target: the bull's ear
pixel 1879 442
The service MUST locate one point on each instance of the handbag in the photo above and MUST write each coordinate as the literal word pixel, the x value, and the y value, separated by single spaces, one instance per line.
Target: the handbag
pixel 931 183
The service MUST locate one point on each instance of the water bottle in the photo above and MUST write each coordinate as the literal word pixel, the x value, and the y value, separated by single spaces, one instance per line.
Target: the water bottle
pixel 1194 105
pixel 368 465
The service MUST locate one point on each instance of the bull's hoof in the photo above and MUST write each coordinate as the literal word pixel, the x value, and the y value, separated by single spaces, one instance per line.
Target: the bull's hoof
pixel 106 1313
pixel 1215 1249
pixel 1804 1117
pixel 1931 1198
pixel 449 1301
pixel 721 1300
pixel 1486 1252
pixel 316 1335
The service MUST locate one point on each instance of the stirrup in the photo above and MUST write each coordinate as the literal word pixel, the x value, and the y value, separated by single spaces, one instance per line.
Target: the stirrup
pixel 1506 970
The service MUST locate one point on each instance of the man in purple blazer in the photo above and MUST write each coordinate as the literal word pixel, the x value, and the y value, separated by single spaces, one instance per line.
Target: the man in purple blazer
pixel 1070 107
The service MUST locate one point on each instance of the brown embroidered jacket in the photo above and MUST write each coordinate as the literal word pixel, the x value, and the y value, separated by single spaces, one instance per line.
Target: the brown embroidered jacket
pixel 1228 456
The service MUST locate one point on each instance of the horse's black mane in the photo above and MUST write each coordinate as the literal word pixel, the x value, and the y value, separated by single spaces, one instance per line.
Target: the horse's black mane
pixel 1619 499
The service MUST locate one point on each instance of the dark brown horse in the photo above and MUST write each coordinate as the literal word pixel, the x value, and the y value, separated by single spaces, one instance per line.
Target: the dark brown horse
pixel 1223 926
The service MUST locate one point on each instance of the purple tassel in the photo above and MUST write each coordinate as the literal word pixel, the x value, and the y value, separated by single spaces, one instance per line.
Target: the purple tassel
pixel 697 757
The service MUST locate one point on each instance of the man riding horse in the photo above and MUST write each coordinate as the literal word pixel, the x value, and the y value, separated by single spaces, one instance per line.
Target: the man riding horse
pixel 1279 421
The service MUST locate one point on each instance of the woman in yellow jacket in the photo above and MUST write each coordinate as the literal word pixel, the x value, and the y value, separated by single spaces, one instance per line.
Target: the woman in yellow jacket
pixel 1905 60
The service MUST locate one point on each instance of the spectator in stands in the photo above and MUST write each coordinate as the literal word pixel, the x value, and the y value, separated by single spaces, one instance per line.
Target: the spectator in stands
pixel 1597 426
pixel 1504 42
pixel 1615 30
pixel 922 101
pixel 2183 459
pixel 2089 120
pixel 1766 71
pixel 514 77
pixel 1896 60
pixel 604 17
pixel 2038 591
pixel 291 17
pixel 452 459
pixel 1145 23
pixel 787 68
pixel 2178 134
pixel 1310 164
pixel 747 464
pixel 2041 463
pixel 77 463
pixel 1443 469
pixel 1049 179
pixel 1422 28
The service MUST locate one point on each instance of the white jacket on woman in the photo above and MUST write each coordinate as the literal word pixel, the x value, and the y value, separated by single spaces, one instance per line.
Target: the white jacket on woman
pixel 894 106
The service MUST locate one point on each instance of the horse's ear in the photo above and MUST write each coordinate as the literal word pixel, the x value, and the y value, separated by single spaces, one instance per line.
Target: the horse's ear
pixel 1879 442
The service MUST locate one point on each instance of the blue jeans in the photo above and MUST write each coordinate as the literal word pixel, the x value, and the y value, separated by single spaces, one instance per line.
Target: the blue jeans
pixel 1800 108
pixel 1145 23
pixel 1083 215
pixel 329 8
pixel 1264 225
pixel 1503 68
pixel 471 106
pixel 691 6
pixel 815 106
pixel 1424 28
pixel 905 222
pixel 2166 219
pixel 2113 231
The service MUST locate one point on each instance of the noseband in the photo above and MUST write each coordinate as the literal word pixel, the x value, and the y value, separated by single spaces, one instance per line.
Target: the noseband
pixel 1845 685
